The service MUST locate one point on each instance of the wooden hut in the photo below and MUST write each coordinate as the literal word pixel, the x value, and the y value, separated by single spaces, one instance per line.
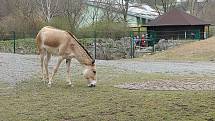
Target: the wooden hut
pixel 177 24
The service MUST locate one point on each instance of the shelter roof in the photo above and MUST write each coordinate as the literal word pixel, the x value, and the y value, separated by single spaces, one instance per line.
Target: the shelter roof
pixel 176 17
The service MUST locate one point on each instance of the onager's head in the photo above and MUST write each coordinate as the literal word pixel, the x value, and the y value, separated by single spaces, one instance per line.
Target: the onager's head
pixel 90 75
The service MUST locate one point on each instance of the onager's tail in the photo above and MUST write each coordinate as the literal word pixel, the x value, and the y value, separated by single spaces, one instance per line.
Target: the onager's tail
pixel 38 42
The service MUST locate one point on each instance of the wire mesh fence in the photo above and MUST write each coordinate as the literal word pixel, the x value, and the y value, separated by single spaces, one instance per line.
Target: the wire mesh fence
pixel 101 44
pixel 21 43
pixel 107 44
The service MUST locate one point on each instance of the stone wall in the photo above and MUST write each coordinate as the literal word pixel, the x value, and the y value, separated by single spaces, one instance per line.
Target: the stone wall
pixel 109 49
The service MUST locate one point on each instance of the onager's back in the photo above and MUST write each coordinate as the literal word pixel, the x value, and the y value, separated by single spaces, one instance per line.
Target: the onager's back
pixel 65 45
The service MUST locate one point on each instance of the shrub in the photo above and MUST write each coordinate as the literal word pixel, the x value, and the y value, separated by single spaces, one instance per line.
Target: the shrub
pixel 104 29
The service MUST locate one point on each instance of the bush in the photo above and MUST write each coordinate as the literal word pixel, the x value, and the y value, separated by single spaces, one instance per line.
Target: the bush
pixel 58 22
pixel 104 29
pixel 19 24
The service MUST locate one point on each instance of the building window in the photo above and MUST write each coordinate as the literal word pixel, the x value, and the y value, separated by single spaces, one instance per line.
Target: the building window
pixel 138 21
pixel 143 21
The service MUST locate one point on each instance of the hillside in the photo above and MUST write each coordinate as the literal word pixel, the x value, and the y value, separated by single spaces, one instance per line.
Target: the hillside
pixel 203 50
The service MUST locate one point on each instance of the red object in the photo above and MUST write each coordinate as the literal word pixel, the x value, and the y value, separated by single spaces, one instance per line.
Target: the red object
pixel 142 41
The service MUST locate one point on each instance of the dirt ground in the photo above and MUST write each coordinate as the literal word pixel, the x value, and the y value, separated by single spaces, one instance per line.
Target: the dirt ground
pixel 16 67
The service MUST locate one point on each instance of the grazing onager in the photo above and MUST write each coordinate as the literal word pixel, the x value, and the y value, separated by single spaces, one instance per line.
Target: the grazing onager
pixel 66 46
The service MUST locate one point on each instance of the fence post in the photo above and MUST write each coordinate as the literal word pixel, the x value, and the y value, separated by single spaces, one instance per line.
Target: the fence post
pixel 139 37
pixel 14 41
pixel 132 45
pixel 95 44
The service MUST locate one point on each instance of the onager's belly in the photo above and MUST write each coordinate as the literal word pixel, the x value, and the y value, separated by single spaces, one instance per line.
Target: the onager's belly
pixel 52 50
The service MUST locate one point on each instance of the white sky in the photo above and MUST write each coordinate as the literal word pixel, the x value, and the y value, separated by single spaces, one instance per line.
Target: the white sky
pixel 187 0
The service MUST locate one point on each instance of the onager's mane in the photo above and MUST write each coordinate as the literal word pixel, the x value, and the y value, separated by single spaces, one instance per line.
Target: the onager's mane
pixel 93 61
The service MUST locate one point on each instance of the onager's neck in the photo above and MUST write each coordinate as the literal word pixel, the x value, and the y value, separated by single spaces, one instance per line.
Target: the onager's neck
pixel 84 59
pixel 81 54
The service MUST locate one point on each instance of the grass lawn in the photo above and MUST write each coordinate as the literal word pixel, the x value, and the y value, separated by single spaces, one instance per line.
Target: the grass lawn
pixel 195 51
pixel 32 100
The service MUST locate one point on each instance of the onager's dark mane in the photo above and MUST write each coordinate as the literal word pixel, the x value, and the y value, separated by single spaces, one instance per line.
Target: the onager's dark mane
pixel 93 61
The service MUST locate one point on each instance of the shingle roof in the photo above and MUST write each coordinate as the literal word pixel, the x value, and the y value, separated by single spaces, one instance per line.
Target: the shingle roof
pixel 176 17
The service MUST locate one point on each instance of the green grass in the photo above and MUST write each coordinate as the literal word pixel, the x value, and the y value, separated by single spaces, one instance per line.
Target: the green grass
pixel 195 51
pixel 32 100
pixel 209 56
pixel 22 46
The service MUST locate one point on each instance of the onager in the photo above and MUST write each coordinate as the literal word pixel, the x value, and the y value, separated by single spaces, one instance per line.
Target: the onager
pixel 66 46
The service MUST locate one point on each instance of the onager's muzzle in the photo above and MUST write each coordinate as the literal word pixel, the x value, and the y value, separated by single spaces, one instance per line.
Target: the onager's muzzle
pixel 90 75
pixel 92 83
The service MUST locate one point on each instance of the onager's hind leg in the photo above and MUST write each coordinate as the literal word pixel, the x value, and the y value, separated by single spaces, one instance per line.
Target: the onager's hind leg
pixel 46 61
pixel 68 62
pixel 42 55
pixel 60 59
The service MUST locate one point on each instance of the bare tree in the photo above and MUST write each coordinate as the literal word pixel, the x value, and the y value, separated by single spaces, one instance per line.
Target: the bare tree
pixel 94 11
pixel 4 8
pixel 196 7
pixel 73 10
pixel 109 10
pixel 123 8
pixel 49 8
pixel 191 6
pixel 161 6
pixel 168 4
pixel 207 12
pixel 28 11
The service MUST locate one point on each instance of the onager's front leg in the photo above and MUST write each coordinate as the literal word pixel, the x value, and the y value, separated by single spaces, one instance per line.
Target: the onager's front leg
pixel 60 59
pixel 68 62
pixel 46 62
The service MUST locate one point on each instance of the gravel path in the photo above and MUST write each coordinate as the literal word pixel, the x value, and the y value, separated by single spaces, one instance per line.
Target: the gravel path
pixel 170 85
pixel 169 67
pixel 14 67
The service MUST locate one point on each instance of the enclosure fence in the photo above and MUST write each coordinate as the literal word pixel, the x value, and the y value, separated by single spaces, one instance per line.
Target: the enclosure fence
pixel 105 44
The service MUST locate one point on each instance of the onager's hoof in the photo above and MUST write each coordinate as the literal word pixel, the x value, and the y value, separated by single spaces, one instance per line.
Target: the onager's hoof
pixel 49 84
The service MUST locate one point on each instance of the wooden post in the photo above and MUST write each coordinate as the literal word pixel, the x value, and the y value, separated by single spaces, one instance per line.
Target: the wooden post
pixel 208 31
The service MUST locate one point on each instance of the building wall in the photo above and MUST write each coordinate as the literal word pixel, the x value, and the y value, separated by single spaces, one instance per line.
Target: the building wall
pixel 133 21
